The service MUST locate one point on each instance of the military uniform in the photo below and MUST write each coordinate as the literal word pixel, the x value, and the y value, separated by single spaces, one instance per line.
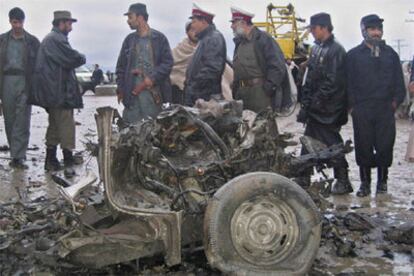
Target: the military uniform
pixel 251 79
pixel 205 71
pixel 261 79
pixel 375 89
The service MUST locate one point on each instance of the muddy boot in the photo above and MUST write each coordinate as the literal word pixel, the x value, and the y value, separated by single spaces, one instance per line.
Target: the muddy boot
pixel 342 185
pixel 68 159
pixel 52 163
pixel 303 181
pixel 69 162
pixel 18 164
pixel 365 188
pixel 382 180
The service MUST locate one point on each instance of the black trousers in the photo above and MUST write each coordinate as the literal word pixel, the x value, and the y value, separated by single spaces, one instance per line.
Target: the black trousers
pixel 374 134
pixel 327 134
pixel 177 95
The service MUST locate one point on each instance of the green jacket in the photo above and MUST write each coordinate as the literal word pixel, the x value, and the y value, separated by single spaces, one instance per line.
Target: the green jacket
pixel 31 48
pixel 273 67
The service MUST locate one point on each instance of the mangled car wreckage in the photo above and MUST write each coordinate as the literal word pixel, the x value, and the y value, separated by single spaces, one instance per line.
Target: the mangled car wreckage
pixel 215 176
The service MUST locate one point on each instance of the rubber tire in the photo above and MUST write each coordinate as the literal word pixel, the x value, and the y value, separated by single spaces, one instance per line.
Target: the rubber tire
pixel 218 244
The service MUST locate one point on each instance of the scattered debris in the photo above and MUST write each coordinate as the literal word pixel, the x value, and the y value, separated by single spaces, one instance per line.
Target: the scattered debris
pixel 401 234
pixel 358 222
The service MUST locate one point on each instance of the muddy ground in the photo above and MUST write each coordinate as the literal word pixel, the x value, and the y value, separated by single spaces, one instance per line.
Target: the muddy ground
pixel 373 235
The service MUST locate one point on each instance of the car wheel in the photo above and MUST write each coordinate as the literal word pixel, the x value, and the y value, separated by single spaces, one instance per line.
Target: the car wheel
pixel 261 223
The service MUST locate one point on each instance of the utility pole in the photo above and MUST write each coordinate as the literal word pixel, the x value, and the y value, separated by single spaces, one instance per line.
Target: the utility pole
pixel 410 20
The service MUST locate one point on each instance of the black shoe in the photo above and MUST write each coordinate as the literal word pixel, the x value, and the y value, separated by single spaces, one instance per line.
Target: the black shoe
pixel 365 188
pixel 68 160
pixel 382 180
pixel 52 163
pixel 342 185
pixel 18 164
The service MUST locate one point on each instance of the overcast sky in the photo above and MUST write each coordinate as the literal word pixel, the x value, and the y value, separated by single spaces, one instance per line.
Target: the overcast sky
pixel 101 26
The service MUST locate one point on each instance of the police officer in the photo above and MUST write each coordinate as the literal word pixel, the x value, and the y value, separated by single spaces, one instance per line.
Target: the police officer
pixel 204 73
pixel 18 50
pixel 375 89
pixel 260 74
pixel 323 96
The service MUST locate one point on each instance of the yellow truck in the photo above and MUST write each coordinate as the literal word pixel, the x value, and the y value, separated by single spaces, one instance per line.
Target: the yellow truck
pixel 288 30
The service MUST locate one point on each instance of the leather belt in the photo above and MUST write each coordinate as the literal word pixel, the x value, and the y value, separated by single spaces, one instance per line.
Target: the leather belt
pixel 251 82
pixel 14 72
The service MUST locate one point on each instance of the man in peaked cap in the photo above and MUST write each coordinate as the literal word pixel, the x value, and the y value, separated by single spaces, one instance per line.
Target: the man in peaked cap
pixel 323 96
pixel 260 75
pixel 18 50
pixel 203 77
pixel 57 90
pixel 143 68
pixel 376 88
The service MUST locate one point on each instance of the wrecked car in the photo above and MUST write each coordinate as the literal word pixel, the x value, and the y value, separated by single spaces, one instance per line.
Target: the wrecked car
pixel 215 176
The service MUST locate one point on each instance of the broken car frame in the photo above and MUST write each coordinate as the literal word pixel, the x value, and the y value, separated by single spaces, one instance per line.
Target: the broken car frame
pixel 214 174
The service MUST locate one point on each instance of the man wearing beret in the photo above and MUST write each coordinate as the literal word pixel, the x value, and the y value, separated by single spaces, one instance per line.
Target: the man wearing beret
pixel 323 96
pixel 18 50
pixel 260 73
pixel 203 77
pixel 57 90
pixel 143 68
pixel 375 89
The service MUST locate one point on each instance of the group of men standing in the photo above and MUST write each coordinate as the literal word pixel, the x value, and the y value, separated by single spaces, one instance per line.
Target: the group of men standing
pixel 260 74
pixel 40 74
pixel 367 80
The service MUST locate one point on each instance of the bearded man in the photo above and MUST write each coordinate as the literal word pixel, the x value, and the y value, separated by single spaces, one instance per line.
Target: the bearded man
pixel 376 88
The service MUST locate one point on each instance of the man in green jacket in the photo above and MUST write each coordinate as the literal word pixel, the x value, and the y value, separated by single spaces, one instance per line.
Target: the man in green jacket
pixel 18 50
pixel 260 74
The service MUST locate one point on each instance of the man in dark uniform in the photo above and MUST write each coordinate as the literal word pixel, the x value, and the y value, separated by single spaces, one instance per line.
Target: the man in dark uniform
pixel 18 50
pixel 375 88
pixel 411 84
pixel 97 77
pixel 57 90
pixel 203 77
pixel 143 68
pixel 260 73
pixel 323 96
